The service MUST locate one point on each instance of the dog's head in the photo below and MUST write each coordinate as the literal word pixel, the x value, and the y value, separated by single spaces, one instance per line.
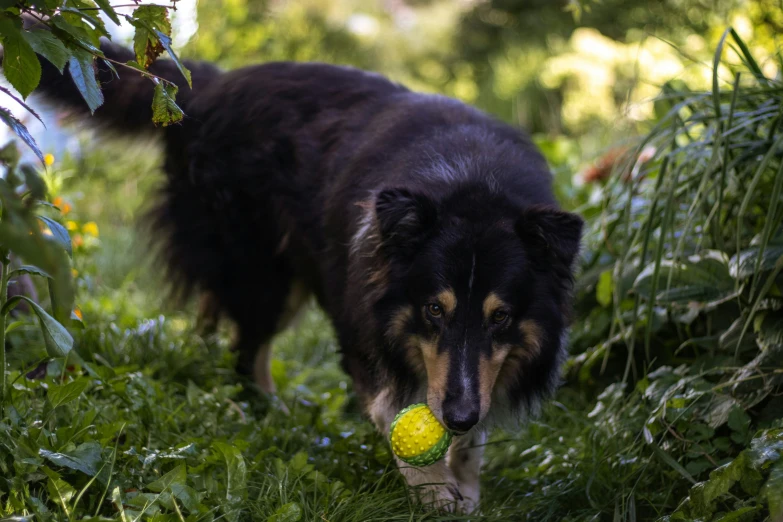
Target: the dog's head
pixel 478 292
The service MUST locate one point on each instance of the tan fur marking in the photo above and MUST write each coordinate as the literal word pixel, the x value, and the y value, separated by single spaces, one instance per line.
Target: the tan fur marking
pixel 533 335
pixel 398 323
pixel 448 300
pixel 437 366
pixel 491 305
pixel 489 368
pixel 521 354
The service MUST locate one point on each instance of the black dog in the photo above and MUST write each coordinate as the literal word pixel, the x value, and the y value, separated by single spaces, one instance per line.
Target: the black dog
pixel 427 230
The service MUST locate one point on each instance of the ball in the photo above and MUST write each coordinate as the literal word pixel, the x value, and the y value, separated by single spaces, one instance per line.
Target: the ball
pixel 417 437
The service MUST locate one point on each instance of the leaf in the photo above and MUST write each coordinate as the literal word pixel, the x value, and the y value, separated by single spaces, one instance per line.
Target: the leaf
pixel 77 38
pixel 164 109
pixel 30 269
pixel 34 182
pixel 56 338
pixel 20 63
pixel 235 471
pixel 59 233
pixel 85 458
pixel 704 279
pixel 165 40
pixel 59 490
pixel 739 422
pixel 604 289
pixel 290 512
pixel 21 131
pixel 83 74
pixel 109 10
pixel 773 491
pixel 22 103
pixel 65 393
pixel 13 326
pixel 149 21
pixel 49 46
pixel 177 476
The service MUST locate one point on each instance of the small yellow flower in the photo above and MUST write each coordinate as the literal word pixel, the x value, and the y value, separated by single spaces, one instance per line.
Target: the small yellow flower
pixel 74 272
pixel 71 225
pixel 90 228
pixel 49 160
pixel 78 313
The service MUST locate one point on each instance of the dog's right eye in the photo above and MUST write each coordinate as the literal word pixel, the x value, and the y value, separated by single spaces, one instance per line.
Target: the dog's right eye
pixel 434 310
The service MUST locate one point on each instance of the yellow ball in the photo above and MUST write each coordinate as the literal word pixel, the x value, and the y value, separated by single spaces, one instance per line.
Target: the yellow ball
pixel 417 437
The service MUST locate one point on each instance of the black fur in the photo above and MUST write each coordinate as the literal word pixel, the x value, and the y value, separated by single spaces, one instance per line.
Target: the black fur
pixel 373 196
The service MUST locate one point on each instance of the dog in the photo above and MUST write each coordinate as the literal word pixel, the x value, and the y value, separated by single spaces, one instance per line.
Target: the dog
pixel 426 229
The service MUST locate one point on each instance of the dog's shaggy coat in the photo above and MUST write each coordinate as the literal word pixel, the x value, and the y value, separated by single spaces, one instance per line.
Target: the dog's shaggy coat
pixel 426 229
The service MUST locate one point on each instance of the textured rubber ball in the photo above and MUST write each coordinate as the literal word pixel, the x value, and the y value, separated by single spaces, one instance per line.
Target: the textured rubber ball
pixel 417 437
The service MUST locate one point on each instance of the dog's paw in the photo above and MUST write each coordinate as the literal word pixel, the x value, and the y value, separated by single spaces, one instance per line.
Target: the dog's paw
pixel 443 497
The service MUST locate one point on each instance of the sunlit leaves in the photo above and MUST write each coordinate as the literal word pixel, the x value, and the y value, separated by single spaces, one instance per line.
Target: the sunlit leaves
pixel 149 20
pixel 48 46
pixel 20 64
pixel 165 110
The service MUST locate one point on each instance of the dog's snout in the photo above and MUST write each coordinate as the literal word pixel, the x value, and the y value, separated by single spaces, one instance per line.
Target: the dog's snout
pixel 460 413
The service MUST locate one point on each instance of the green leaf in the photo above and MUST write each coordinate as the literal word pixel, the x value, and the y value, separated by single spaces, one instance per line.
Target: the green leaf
pixel 236 483
pixel 109 10
pixel 65 393
pixel 149 21
pixel 177 476
pixel 29 269
pixel 13 326
pixel 20 63
pixel 604 289
pixel 83 74
pixel 164 109
pixel 743 264
pixel 85 458
pixel 59 233
pixel 290 512
pixel 59 490
pixel 76 37
pixel 165 41
pixel 773 492
pixel 49 46
pixel 34 182
pixel 21 131
pixel 56 338
pixel 704 279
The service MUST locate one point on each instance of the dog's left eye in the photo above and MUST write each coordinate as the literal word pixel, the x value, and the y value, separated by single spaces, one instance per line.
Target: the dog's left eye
pixel 434 310
pixel 499 317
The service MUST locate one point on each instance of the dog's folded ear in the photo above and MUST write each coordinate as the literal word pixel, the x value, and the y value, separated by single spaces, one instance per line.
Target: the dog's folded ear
pixel 404 219
pixel 551 231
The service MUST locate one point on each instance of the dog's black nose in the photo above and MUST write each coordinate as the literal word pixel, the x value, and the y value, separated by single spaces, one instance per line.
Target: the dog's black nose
pixel 460 414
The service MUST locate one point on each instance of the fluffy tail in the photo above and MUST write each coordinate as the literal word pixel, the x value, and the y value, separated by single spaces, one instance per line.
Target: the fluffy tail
pixel 127 99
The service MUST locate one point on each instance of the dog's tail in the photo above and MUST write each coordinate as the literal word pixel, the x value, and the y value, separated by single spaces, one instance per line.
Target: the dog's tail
pixel 127 95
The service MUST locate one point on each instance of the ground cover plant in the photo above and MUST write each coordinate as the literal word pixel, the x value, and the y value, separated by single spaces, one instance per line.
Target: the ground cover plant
pixel 671 408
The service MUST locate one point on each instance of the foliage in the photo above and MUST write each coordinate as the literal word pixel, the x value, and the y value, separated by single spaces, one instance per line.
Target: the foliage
pixel 681 286
pixel 69 33
pixel 43 243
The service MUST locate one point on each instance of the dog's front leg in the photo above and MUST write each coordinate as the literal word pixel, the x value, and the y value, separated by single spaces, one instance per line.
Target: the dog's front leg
pixel 434 484
pixel 464 459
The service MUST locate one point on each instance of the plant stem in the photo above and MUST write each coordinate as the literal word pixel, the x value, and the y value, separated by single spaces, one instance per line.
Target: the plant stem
pixel 4 273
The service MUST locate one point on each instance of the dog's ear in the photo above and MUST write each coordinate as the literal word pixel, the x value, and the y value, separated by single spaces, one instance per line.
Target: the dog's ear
pixel 551 231
pixel 404 219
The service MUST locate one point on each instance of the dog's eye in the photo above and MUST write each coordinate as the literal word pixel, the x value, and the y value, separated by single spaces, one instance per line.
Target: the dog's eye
pixel 499 317
pixel 434 310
